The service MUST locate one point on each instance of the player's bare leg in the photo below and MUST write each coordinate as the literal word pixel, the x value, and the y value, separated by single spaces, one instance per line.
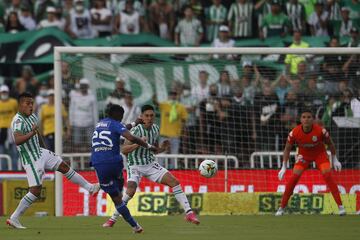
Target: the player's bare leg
pixel 289 190
pixel 130 192
pixel 333 189
pixel 25 203
pixel 169 180
pixel 76 178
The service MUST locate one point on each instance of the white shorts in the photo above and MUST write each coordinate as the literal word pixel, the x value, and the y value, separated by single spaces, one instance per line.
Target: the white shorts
pixel 153 171
pixel 35 171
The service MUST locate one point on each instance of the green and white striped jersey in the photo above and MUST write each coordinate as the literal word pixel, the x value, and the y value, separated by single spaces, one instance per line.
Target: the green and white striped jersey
pixel 141 155
pixel 30 150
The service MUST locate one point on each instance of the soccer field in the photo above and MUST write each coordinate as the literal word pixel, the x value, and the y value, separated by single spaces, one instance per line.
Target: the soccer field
pixel 174 227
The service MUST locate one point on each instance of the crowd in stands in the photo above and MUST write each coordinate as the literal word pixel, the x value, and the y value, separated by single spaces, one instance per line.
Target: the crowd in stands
pixel 186 22
pixel 232 116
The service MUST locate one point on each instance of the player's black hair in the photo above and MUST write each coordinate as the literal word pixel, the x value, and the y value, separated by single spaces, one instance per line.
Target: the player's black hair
pixel 307 110
pixel 24 95
pixel 115 110
pixel 147 107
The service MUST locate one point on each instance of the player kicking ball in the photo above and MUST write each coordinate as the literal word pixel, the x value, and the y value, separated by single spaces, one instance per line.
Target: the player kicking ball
pixel 141 163
pixel 310 139
pixel 107 161
pixel 36 159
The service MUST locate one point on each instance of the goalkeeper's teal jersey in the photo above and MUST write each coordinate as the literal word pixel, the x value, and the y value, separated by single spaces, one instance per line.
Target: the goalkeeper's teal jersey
pixel 30 150
pixel 141 155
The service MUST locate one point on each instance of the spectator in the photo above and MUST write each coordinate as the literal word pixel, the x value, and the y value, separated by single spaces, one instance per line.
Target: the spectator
pixel 344 110
pixel 290 112
pixel 26 18
pixel 223 41
pixel 83 116
pixel 354 6
pixel 8 109
pixel 190 131
pixel 262 8
pixel 333 8
pixel 51 20
pixel 137 6
pixel 40 8
pixel 41 98
pixel 15 6
pixel 216 16
pixel 129 21
pixel 201 91
pixel 27 82
pixel 101 19
pixel 67 6
pixel 346 24
pixel 355 104
pixel 198 9
pixel 240 18
pixel 281 88
pixel 47 121
pixel 331 106
pixel 296 13
pixel 292 60
pixel 318 20
pixel 131 110
pixel 313 96
pixel 117 96
pixel 224 88
pixel 13 24
pixel 188 31
pixel 78 23
pixel 276 23
pixel 162 19
pixel 173 116
pixel 266 108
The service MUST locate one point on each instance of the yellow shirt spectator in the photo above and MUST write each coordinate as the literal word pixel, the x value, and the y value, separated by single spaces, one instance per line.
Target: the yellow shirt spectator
pixel 173 114
pixel 47 118
pixel 293 59
pixel 8 109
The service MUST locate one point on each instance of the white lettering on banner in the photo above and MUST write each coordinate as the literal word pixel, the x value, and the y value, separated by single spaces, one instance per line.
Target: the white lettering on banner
pixel 166 189
pixel 318 188
pixel 147 189
pixel 250 188
pixel 178 74
pixel 301 188
pixel 354 189
pixel 280 188
pixel 233 72
pixel 237 188
pixel 101 204
pixel 157 189
pixel 203 189
pixel 188 189
pixel 86 201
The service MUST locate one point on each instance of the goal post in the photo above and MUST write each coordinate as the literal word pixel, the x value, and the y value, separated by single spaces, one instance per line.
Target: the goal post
pixel 96 63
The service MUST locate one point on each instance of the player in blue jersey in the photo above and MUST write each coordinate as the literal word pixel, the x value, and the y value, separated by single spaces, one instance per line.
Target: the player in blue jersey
pixel 107 161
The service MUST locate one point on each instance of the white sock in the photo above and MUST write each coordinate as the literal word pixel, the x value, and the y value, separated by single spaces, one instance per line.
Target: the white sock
pixel 181 198
pixel 126 198
pixel 24 204
pixel 78 179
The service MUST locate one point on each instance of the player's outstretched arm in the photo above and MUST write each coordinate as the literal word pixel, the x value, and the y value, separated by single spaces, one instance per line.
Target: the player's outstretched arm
pixel 138 141
pixel 21 138
pixel 286 156
pixel 133 124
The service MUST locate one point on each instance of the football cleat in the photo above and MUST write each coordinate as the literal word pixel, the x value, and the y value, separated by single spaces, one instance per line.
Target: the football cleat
pixel 15 223
pixel 109 223
pixel 280 212
pixel 138 229
pixel 191 217
pixel 342 211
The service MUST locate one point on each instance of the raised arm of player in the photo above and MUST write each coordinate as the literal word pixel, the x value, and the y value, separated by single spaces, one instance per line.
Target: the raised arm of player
pixel 286 156
pixel 126 134
pixel 21 138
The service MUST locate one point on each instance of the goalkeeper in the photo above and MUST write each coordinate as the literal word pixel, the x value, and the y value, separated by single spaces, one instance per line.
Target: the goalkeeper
pixel 311 139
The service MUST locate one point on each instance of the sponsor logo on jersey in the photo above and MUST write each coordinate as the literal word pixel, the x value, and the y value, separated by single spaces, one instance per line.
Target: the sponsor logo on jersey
pixel 314 138
pixel 102 124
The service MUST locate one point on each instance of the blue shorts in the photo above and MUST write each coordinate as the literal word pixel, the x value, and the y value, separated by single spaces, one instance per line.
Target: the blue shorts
pixel 110 177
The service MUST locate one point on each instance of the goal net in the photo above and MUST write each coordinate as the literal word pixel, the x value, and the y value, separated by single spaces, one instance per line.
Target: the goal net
pixel 235 106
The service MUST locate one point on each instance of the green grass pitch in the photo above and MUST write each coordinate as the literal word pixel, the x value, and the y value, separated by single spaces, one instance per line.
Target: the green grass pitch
pixel 292 227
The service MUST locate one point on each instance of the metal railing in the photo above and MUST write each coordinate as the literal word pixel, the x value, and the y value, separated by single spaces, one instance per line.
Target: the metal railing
pixel 269 156
pixel 5 157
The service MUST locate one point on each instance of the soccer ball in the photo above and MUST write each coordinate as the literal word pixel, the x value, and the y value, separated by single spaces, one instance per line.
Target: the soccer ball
pixel 208 168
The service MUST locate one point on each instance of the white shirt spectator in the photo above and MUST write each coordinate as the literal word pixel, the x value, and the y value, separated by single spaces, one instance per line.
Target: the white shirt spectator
pixel 129 22
pixel 355 107
pixel 83 109
pixel 315 23
pixel 80 24
pixel 101 14
pixel 130 113
pixel 200 93
pixel 137 5
pixel 46 23
pixel 28 22
pixel 219 44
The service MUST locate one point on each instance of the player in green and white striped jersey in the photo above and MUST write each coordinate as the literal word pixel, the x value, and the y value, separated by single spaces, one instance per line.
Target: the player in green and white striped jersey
pixel 141 163
pixel 36 159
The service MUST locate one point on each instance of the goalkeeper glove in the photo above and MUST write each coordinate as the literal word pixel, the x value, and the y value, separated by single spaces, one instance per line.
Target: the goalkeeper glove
pixel 335 162
pixel 282 171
